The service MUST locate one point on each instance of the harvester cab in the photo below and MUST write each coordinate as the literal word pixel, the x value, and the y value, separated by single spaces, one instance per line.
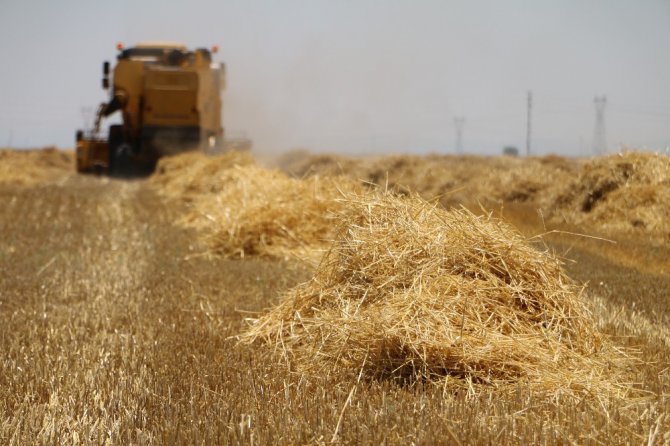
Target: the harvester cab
pixel 169 99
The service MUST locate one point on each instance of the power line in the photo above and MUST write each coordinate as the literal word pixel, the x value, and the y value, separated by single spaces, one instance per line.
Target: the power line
pixel 599 136
pixel 459 122
pixel 528 116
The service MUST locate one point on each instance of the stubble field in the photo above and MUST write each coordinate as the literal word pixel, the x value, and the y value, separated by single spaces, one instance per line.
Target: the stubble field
pixel 125 305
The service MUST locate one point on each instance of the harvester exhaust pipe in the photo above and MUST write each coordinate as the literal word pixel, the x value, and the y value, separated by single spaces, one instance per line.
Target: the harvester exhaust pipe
pixel 105 75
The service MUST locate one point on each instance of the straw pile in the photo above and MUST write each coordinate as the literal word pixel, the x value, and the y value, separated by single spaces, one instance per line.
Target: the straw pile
pixel 243 209
pixel 626 192
pixel 263 212
pixel 529 180
pixel 302 163
pixel 411 292
pixel 32 167
pixel 190 174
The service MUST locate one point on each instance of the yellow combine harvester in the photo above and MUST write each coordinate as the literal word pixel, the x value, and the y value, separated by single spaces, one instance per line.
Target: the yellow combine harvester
pixel 170 101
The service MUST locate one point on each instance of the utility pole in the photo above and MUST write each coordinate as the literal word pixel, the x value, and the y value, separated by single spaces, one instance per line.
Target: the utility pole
pixel 459 122
pixel 528 121
pixel 599 136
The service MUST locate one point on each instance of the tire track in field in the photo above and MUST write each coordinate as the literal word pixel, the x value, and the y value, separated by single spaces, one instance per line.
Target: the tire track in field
pixel 74 260
pixel 110 333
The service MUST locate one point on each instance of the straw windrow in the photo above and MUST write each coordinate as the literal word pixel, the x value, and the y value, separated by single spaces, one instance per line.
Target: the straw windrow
pixel 456 180
pixel 406 290
pixel 245 210
pixel 621 193
pixel 626 192
pixel 35 167
pixel 263 212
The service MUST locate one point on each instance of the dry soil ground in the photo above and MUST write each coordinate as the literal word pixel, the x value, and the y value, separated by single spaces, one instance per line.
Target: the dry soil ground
pixel 116 330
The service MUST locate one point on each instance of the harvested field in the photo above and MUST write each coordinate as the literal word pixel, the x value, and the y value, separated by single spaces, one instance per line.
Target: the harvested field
pixel 117 331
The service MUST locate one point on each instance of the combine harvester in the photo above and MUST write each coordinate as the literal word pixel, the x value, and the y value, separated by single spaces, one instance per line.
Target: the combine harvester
pixel 170 101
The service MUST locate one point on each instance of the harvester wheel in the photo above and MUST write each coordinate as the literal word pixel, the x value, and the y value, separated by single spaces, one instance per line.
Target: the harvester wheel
pixel 121 159
pixel 118 160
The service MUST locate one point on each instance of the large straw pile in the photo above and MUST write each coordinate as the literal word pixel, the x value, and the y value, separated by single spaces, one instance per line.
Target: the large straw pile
pixel 243 209
pixel 627 192
pixel 32 167
pixel 413 292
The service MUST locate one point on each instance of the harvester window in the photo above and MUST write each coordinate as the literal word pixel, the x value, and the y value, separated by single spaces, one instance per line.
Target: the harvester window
pixel 144 54
pixel 175 57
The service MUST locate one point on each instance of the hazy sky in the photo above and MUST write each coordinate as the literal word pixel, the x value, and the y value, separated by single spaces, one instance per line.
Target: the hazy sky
pixel 362 75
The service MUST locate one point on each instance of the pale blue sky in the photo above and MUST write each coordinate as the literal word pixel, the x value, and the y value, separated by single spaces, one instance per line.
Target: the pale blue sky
pixel 362 75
